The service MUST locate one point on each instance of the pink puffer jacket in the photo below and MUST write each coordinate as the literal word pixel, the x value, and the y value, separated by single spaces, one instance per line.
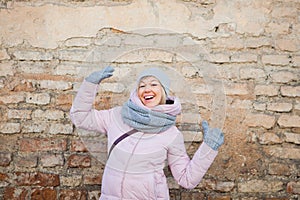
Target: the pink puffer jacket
pixel 134 170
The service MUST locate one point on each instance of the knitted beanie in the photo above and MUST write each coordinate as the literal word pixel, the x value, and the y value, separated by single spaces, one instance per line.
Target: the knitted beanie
pixel 159 75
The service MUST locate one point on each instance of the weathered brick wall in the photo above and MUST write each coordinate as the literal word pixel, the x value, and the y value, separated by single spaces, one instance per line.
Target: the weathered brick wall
pixel 236 63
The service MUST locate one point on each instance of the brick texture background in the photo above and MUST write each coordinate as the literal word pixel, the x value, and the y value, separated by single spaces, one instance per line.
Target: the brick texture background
pixel 47 48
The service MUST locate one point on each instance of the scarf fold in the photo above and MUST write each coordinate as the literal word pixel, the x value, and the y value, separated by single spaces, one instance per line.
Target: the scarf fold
pixel 146 120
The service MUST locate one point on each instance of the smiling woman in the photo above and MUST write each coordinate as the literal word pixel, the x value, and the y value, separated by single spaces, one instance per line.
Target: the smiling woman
pixel 134 169
pixel 151 92
pixel 153 87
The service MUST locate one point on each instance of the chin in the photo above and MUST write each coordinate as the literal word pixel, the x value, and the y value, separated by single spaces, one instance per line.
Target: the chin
pixel 150 105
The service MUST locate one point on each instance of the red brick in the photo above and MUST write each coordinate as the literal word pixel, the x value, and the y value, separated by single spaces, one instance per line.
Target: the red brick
pixel 219 198
pixel 78 145
pixel 293 187
pixel 3 177
pixel 82 161
pixel 11 193
pixel 73 194
pixel 42 144
pixel 24 86
pixel 36 179
pixel 35 77
pixel 92 179
pixel 63 99
pixel 47 194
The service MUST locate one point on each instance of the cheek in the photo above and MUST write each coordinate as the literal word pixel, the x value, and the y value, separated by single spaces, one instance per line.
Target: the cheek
pixel 139 93
pixel 159 91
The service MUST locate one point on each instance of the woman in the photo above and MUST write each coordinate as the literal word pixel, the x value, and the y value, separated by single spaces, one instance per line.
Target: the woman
pixel 134 169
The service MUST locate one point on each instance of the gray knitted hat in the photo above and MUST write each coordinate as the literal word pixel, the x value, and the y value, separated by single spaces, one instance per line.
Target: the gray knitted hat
pixel 159 74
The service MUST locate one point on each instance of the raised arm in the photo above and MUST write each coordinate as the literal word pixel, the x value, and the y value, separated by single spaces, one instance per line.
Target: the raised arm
pixel 188 173
pixel 82 113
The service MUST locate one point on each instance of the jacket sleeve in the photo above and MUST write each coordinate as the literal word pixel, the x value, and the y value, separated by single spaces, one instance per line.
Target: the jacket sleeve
pixel 82 113
pixel 189 172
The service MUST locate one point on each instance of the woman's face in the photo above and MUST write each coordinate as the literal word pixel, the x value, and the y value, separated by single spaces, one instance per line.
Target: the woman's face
pixel 150 91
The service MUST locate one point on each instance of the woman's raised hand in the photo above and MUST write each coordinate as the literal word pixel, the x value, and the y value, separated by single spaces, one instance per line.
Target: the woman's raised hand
pixel 213 137
pixel 97 76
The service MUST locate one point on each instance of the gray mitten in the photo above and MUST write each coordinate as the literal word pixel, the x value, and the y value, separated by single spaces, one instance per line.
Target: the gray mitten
pixel 213 137
pixel 98 76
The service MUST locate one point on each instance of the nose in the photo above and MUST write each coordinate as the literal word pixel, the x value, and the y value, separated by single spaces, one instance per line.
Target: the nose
pixel 147 88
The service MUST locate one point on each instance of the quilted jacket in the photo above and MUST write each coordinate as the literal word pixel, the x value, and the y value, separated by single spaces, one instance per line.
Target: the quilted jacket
pixel 134 170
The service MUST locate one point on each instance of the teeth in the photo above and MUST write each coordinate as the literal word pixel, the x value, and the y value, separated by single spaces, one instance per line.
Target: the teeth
pixel 148 97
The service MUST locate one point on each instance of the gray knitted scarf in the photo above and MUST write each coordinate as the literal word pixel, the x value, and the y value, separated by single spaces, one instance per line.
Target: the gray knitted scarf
pixel 146 120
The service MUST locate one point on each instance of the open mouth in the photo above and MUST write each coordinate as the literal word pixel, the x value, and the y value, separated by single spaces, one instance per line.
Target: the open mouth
pixel 148 97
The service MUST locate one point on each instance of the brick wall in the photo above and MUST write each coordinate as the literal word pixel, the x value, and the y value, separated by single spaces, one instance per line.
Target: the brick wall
pixel 236 63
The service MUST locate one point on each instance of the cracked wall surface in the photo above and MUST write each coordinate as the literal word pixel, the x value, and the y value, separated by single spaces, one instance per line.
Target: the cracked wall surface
pixel 234 63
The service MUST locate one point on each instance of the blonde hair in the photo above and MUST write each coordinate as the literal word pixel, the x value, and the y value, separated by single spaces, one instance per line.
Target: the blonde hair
pixel 163 96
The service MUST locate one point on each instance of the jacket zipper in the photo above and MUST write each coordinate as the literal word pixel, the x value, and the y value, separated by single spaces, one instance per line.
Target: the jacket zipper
pixel 128 161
